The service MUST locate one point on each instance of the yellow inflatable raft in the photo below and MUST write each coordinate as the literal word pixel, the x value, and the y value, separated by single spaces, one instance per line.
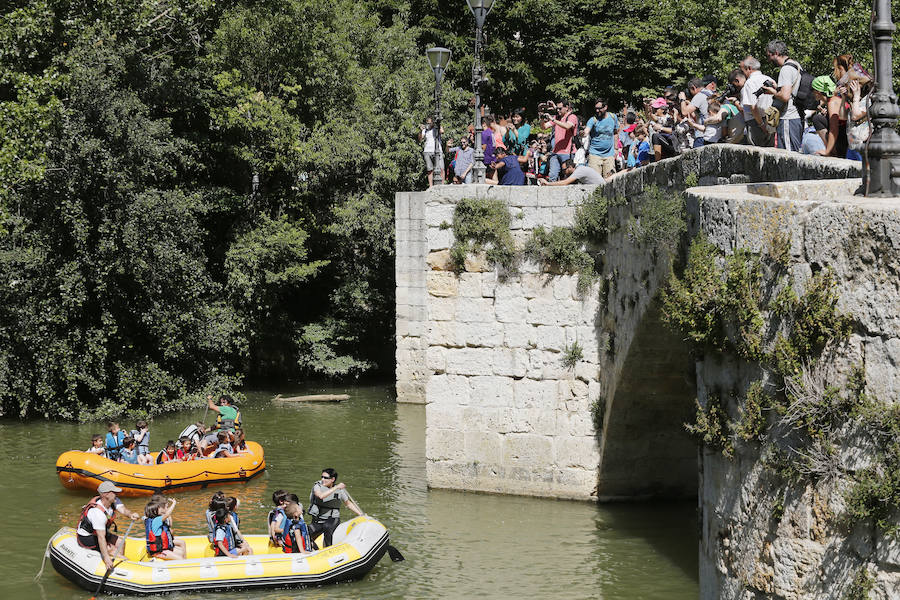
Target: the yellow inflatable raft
pixel 85 470
pixel 358 546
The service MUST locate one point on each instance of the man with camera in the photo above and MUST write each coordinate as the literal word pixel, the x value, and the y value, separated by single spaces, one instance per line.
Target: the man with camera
pixel 754 100
pixel 564 125
pixel 429 149
pixel 580 175
pixel 697 108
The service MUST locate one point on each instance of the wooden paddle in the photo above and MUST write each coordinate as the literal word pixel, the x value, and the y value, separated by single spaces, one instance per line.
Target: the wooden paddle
pixel 110 569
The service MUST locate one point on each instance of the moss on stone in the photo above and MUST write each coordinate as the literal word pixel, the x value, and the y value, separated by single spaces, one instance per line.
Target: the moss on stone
pixel 559 248
pixel 711 426
pixel 483 225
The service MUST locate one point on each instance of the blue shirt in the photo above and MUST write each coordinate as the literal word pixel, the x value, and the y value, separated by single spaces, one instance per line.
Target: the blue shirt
pixel 156 524
pixel 603 135
pixel 130 456
pixel 644 153
pixel 512 171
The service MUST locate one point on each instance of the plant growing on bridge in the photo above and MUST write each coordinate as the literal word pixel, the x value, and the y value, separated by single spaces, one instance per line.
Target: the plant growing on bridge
pixel 661 220
pixel 561 249
pixel 571 354
pixel 712 427
pixel 482 225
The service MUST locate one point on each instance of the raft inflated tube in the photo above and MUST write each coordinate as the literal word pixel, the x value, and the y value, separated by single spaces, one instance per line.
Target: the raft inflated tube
pixel 358 546
pixel 83 470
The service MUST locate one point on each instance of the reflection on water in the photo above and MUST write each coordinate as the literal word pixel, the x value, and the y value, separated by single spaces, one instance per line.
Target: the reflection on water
pixel 456 544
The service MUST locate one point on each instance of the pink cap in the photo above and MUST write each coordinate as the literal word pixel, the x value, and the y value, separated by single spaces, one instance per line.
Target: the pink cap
pixel 658 103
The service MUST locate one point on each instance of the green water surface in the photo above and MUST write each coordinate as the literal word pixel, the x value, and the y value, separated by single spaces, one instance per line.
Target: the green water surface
pixel 456 544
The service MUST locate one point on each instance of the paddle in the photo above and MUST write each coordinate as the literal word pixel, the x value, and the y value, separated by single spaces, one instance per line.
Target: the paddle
pixel 110 569
pixel 395 554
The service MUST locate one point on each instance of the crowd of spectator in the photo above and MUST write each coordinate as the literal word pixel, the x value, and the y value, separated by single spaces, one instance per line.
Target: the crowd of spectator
pixel 794 110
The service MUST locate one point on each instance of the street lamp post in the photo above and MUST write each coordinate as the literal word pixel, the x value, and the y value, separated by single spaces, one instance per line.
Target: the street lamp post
pixel 438 58
pixel 881 154
pixel 480 9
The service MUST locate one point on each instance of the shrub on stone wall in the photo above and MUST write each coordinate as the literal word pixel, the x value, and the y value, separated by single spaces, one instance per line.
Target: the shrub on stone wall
pixel 483 225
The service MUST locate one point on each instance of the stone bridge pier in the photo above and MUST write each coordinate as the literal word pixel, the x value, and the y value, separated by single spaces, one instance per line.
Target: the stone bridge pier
pixel 504 412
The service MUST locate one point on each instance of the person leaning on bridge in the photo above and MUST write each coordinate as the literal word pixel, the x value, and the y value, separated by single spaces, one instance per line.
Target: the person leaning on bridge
pixel 581 175
pixel 325 506
pixel 97 516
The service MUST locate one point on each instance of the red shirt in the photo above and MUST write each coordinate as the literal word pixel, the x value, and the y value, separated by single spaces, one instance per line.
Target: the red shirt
pixel 562 137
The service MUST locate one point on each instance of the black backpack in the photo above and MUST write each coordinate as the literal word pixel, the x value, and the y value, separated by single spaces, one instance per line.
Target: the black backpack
pixel 804 99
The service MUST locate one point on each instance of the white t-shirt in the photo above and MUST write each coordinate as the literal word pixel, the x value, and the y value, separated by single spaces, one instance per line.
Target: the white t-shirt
pixel 748 93
pixel 97 516
pixel 428 138
pixel 587 175
pixel 788 76
pixel 712 133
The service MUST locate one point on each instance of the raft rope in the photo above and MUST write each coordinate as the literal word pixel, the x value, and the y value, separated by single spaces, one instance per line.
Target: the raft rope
pixel 46 554
pixel 117 472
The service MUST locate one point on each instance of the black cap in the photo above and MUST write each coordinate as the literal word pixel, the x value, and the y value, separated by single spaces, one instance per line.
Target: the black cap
pixel 708 79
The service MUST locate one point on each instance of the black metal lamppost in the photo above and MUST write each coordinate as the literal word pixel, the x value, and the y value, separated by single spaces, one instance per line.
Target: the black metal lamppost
pixel 881 155
pixel 479 8
pixel 438 58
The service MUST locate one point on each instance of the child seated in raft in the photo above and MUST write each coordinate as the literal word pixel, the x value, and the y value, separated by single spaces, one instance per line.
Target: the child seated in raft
pixel 129 451
pixel 240 442
pixel 169 454
pixel 224 536
pixel 215 503
pixel 114 440
pixel 232 503
pixel 296 535
pixel 142 436
pixel 225 449
pixel 161 542
pixel 277 517
pixel 189 450
pixel 97 445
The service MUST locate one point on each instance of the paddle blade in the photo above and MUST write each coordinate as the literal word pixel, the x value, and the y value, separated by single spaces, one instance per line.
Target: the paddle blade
pixel 394 554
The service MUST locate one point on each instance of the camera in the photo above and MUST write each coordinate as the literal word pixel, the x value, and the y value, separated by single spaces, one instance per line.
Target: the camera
pixel 730 92
pixel 547 109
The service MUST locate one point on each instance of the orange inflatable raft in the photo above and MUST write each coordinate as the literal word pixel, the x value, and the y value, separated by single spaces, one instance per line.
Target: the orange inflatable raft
pixel 79 470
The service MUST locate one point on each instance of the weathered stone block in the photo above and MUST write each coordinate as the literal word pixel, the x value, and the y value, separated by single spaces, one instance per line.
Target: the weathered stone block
pixel 577 452
pixel 470 361
pixel 480 334
pixel 438 238
pixel 527 449
pixel 444 444
pixel 550 337
pixel 484 447
pixel 475 310
pixel 491 391
pixel 443 333
pixel 435 359
pixel 542 312
pixel 447 389
pixel 563 216
pixel 470 285
pixel 510 362
pixel 442 309
pixel 441 284
pixel 517 335
pixel 436 214
pixel 529 393
pixel 439 260
pixel 510 310
pixel 537 285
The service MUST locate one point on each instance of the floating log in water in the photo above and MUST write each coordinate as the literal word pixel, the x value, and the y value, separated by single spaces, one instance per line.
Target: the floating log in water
pixel 313 398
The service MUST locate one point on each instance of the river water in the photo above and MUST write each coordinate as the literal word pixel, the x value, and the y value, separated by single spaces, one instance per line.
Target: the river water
pixel 456 544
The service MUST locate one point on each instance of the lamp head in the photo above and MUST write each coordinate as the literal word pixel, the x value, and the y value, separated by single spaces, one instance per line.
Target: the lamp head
pixel 438 58
pixel 480 8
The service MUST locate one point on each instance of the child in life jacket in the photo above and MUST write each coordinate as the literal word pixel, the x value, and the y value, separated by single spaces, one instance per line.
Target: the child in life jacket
pixel 225 449
pixel 296 535
pixel 142 436
pixel 240 442
pixel 114 440
pixel 161 542
pixel 232 503
pixel 277 516
pixel 97 445
pixel 189 450
pixel 215 503
pixel 169 454
pixel 224 536
pixel 129 453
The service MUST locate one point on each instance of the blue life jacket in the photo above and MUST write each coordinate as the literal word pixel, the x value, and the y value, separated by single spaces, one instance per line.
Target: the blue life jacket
pixel 157 543
pixel 114 445
pixel 275 516
pixel 289 543
pixel 223 448
pixel 228 541
pixel 130 456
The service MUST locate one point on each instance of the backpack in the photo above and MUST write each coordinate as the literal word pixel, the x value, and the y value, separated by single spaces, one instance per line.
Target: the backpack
pixel 804 99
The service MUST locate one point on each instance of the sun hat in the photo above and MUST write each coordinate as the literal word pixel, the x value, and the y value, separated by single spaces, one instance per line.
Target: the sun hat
pixel 658 103
pixel 108 486
pixel 823 84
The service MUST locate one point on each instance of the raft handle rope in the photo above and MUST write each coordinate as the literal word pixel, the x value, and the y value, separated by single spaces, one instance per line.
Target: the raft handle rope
pixel 46 554
pixel 170 479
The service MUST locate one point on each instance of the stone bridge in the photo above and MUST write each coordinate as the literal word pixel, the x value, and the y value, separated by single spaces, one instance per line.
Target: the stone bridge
pixel 486 356
pixel 505 412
